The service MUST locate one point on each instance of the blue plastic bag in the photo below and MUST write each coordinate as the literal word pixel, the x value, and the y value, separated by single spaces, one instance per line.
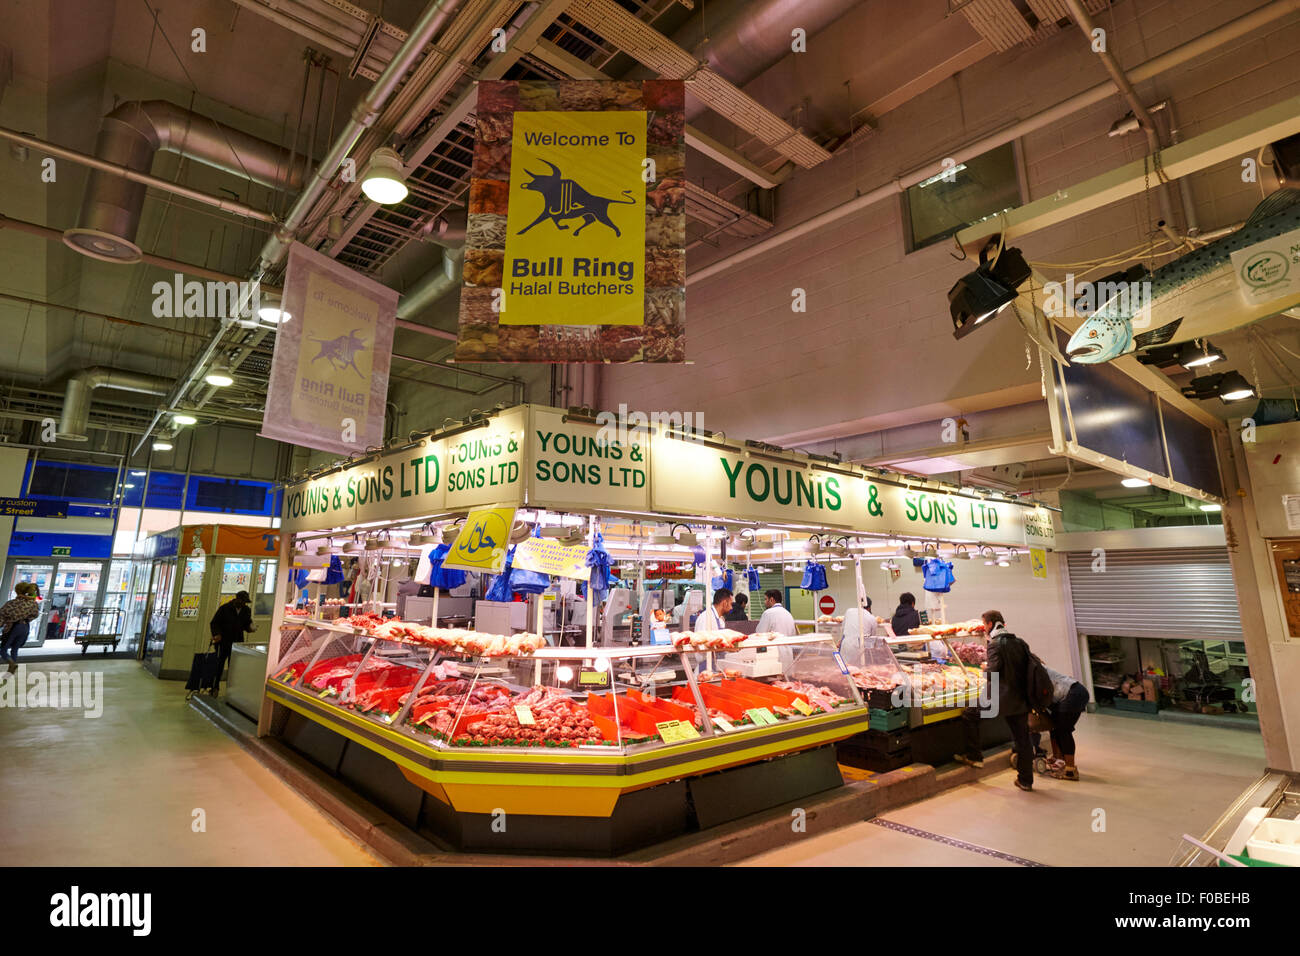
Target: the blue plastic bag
pixel 751 578
pixel 335 573
pixel 814 577
pixel 439 577
pixel 722 580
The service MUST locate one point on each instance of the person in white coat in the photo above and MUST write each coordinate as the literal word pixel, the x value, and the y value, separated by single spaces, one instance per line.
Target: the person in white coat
pixel 777 618
pixel 859 625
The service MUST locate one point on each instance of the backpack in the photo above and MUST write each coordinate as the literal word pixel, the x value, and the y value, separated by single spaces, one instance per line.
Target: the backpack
pixel 1038 685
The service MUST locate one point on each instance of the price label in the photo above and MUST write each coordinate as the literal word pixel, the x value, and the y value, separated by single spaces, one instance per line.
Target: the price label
pixel 844 668
pixel 761 716
pixel 802 706
pixel 687 731
pixel 590 677
pixel 525 715
pixel 723 724
pixel 670 731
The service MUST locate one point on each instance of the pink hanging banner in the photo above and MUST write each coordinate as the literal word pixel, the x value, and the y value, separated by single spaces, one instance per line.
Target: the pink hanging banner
pixel 329 376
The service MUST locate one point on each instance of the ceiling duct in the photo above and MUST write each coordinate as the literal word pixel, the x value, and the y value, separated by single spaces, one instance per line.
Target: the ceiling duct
pixel 75 420
pixel 130 136
pixel 745 37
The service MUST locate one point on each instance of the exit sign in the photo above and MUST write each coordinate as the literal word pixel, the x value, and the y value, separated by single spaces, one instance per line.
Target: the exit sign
pixel 61 552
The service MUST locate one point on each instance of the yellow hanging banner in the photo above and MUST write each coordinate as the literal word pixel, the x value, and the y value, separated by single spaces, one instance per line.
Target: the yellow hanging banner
pixel 1038 561
pixel 483 541
pixel 575 235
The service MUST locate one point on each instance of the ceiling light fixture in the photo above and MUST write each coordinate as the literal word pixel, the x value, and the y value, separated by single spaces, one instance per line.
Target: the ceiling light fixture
pixel 219 375
pixel 1225 386
pixel 1211 507
pixel 1135 483
pixel 1194 354
pixel 384 181
pixel 273 313
pixel 980 295
pixel 162 446
pixel 948 175
pixel 181 418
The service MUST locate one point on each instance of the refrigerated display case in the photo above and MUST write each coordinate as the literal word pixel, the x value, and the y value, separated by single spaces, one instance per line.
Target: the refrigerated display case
pixel 585 733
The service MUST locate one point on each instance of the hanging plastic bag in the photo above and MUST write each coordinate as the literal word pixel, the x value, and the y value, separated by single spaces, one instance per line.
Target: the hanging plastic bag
pixel 751 578
pixel 598 562
pixel 814 577
pixel 439 577
pixel 722 580
pixel 335 573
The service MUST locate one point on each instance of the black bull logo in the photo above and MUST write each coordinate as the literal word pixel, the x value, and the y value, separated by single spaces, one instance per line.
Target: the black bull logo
pixel 565 199
pixel 341 352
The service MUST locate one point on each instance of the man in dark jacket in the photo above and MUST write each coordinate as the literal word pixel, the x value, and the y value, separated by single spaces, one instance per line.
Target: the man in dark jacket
pixel 907 616
pixel 229 625
pixel 1008 658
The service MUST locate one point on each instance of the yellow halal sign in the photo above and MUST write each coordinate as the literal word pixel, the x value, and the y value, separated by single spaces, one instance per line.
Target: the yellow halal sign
pixel 483 541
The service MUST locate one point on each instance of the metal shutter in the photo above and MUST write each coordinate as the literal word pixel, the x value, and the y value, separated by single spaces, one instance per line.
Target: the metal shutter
pixel 1178 593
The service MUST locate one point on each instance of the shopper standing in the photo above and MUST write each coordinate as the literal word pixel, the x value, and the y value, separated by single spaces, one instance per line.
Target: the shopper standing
pixel 740 611
pixel 906 617
pixel 1069 701
pixel 15 621
pixel 1008 658
pixel 232 621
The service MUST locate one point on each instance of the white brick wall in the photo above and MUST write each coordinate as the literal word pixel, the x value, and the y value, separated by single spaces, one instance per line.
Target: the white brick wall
pixel 876 339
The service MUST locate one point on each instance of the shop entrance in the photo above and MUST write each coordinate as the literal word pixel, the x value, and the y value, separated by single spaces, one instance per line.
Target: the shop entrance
pixel 77 598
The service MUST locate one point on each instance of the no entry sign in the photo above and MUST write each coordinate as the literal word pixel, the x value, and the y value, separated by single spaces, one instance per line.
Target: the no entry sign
pixel 827 604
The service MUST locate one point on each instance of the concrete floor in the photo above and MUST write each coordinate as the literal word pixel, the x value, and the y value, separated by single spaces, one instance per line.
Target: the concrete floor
pixel 1154 780
pixel 121 789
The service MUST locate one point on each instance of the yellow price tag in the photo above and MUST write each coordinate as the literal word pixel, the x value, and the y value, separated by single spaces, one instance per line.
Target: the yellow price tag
pixel 687 731
pixel 802 706
pixel 668 730
pixel 525 715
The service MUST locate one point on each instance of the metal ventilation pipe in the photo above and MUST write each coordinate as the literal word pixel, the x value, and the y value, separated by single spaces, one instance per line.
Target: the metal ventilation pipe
pixel 74 422
pixel 433 286
pixel 742 38
pixel 130 136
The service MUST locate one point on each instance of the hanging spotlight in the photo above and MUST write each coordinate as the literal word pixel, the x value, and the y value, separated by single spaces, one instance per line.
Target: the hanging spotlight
pixel 1135 483
pixel 384 180
pixel 1195 356
pixel 980 295
pixel 961 553
pixel 1225 386
pixel 181 418
pixel 1187 354
pixel 162 446
pixel 273 312
pixel 219 375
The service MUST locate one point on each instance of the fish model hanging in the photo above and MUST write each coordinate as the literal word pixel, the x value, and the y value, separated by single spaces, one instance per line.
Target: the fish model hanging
pixel 1249 275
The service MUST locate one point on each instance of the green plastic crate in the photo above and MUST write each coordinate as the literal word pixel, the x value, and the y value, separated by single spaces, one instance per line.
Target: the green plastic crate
pixel 887 719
